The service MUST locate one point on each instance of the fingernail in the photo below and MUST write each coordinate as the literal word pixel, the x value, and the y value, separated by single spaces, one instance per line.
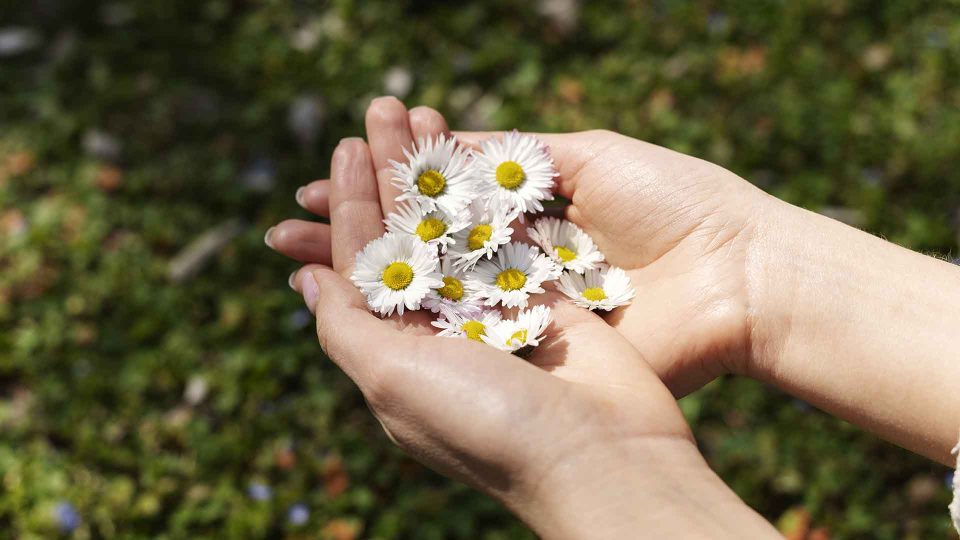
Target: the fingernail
pixel 290 279
pixel 311 292
pixel 266 237
pixel 299 196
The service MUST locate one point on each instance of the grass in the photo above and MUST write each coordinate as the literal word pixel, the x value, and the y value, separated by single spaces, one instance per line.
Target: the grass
pixel 202 407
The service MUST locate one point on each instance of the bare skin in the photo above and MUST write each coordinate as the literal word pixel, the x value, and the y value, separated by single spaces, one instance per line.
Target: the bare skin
pixel 729 279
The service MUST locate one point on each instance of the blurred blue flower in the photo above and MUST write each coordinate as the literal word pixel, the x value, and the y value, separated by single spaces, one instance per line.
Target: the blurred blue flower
pixel 259 492
pixel 67 517
pixel 937 39
pixel 101 145
pixel 300 319
pixel 298 514
pixel 261 175
pixel 117 14
pixel 801 405
pixel 15 40
pixel 305 118
pixel 874 175
pixel 948 480
pixel 718 22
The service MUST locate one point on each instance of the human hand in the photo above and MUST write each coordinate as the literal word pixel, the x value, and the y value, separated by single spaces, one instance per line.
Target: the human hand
pixel 730 279
pixel 584 440
pixel 682 228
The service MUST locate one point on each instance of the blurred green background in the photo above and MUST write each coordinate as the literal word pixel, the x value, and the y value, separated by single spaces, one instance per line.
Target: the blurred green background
pixel 159 380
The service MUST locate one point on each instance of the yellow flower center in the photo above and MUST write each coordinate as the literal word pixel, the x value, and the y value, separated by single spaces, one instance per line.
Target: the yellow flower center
pixel 520 335
pixel 566 254
pixel 431 228
pixel 510 174
pixel 452 289
pixel 474 329
pixel 594 294
pixel 511 279
pixel 431 183
pixel 478 235
pixel 397 276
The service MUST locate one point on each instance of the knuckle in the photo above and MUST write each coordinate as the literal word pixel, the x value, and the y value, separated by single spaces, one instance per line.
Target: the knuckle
pixel 603 133
pixel 354 208
pixel 384 382
pixel 325 334
pixel 379 386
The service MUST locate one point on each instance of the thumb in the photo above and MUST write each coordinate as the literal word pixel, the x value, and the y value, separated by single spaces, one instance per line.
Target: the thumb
pixel 345 326
pixel 450 402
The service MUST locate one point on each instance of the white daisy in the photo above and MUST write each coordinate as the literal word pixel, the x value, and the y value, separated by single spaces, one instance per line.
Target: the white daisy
pixel 436 175
pixel 604 288
pixel 433 227
pixel 396 272
pixel 566 244
pixel 452 297
pixel 517 170
pixel 473 326
pixel 488 230
pixel 519 336
pixel 517 271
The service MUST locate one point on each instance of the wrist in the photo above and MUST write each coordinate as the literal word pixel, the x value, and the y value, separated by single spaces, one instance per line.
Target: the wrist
pixel 658 485
pixel 772 281
pixel 857 326
pixel 798 259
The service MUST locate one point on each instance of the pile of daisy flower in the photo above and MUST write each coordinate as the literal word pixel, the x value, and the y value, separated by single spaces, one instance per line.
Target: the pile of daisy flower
pixel 450 245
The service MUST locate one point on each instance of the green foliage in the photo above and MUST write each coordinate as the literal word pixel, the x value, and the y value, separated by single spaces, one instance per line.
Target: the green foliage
pixel 151 406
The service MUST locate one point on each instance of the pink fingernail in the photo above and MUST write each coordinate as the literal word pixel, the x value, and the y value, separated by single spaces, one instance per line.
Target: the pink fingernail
pixel 266 237
pixel 290 280
pixel 311 292
pixel 299 196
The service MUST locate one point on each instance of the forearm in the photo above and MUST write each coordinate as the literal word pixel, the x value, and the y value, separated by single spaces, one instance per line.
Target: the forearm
pixel 659 488
pixel 858 326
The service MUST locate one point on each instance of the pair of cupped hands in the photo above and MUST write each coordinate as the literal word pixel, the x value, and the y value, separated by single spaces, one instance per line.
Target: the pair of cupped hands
pixel 584 438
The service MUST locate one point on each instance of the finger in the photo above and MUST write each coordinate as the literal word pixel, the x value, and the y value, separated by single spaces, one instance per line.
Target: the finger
pixel 416 323
pixel 354 337
pixel 416 384
pixel 304 241
pixel 568 150
pixel 296 279
pixel 426 122
pixel 344 325
pixel 355 214
pixel 315 197
pixel 388 131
